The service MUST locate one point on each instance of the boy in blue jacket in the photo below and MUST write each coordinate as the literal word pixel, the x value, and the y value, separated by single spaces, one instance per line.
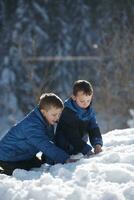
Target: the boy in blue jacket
pixel 78 123
pixel 35 133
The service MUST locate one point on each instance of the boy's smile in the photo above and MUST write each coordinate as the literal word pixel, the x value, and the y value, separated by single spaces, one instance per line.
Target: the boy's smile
pixel 52 115
pixel 83 100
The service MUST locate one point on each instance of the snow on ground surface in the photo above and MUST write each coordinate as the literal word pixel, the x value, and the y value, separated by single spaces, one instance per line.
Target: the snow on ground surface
pixel 107 176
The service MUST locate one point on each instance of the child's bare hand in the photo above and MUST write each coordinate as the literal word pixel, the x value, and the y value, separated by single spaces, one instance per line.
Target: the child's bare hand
pixel 97 149
pixel 89 153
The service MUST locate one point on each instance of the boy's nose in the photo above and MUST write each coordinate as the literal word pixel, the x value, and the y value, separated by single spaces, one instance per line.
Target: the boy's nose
pixel 57 118
pixel 85 104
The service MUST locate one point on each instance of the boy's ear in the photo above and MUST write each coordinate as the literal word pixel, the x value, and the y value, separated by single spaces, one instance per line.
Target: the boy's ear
pixel 73 97
pixel 43 111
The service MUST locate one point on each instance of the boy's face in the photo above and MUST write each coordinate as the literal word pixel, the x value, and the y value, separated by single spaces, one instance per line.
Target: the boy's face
pixel 83 100
pixel 52 115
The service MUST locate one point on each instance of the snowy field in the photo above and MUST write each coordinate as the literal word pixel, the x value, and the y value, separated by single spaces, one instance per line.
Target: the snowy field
pixel 107 176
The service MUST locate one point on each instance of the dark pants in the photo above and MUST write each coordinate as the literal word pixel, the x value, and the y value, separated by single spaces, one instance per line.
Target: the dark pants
pixel 9 167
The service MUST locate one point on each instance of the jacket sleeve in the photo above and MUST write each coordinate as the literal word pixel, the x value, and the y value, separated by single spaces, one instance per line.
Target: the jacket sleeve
pixel 95 137
pixel 69 126
pixel 41 141
pixel 94 131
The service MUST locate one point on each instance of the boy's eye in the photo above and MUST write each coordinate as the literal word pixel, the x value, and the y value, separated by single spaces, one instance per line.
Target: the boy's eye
pixel 54 115
pixel 85 101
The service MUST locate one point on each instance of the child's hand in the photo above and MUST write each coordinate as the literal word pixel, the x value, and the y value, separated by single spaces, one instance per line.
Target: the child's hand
pixel 97 149
pixel 89 153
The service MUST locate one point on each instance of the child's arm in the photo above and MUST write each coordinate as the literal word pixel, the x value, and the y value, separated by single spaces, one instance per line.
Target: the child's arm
pixel 42 142
pixel 95 137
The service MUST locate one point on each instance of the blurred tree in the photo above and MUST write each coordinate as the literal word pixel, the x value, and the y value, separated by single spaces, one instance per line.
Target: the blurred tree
pixel 47 45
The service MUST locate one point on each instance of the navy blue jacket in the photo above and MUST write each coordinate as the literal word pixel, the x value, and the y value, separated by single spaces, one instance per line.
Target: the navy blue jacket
pixel 28 137
pixel 74 125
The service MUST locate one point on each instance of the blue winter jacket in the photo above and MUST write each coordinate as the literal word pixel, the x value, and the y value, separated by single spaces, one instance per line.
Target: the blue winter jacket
pixel 28 137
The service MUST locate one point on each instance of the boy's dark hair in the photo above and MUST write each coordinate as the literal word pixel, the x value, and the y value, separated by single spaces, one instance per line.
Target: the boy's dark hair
pixel 50 99
pixel 84 86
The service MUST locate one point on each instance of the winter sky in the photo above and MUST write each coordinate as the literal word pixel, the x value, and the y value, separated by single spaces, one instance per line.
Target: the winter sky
pixel 107 176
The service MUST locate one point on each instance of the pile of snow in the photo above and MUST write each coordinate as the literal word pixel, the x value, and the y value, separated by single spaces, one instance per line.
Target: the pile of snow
pixel 107 176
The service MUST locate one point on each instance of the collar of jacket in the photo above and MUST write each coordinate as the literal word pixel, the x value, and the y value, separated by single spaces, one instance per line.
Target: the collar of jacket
pixel 83 114
pixel 40 115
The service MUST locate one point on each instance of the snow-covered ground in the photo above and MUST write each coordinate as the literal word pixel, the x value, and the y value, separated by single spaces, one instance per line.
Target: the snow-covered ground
pixel 107 176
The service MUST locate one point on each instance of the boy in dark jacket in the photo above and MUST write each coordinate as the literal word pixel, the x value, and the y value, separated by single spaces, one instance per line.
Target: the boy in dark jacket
pixel 35 133
pixel 78 122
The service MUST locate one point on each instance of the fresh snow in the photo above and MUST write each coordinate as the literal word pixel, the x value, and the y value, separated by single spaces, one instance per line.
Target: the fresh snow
pixel 106 176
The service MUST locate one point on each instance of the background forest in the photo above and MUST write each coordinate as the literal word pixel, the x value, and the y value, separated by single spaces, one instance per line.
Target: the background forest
pixel 45 45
